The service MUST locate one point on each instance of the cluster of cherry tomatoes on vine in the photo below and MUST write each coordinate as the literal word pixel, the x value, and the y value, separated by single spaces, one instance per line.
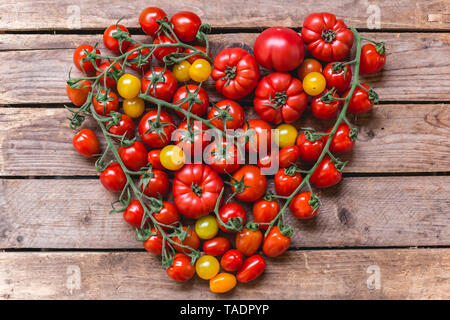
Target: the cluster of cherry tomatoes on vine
pixel 279 99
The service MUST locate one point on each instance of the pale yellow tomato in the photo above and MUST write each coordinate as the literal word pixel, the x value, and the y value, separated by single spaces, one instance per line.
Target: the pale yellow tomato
pixel 181 71
pixel 206 227
pixel 200 70
pixel 207 267
pixel 172 157
pixel 133 107
pixel 128 86
pixel 286 135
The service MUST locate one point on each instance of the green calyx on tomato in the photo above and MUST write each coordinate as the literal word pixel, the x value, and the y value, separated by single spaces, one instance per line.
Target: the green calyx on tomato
pixel 328 35
pixel 279 100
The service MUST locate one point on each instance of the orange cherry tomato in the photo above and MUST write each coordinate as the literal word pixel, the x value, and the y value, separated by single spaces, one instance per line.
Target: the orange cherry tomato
pixel 308 66
pixel 223 282
pixel 248 241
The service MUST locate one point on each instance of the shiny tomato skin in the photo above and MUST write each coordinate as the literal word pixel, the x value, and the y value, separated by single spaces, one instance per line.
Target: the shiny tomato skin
pixel 216 246
pixel 326 175
pixel 134 157
pixel 181 270
pixel 154 160
pixel 106 107
pixel 255 181
pixel 360 101
pixel 232 260
pixel 300 207
pixel 113 178
pixel 198 109
pixel 371 60
pixel 325 110
pixel 112 43
pixel 154 243
pixel 308 66
pixel 126 126
pixel 192 59
pixel 248 241
pixel 279 48
pixel 261 138
pixel 186 25
pixel 161 90
pixel 222 282
pixel 78 96
pixel 341 141
pixel 134 213
pixel 86 143
pixel 339 80
pixel 275 243
pixel 133 58
pixel 264 211
pixel 231 210
pixel 188 141
pixel 152 139
pixel 234 109
pixel 147 20
pixel 286 184
pixel 192 240
pixel 158 185
pixel 78 56
pixel 111 75
pixel 288 156
pixel 224 162
pixel 161 52
pixel 309 151
pixel 168 214
pixel 253 267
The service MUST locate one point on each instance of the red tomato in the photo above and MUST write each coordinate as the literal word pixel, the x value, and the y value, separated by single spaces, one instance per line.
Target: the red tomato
pixel 262 137
pixel 181 270
pixel 125 127
pixel 196 188
pixel 327 39
pixel 232 260
pixel 136 59
pixel 113 178
pixel 192 240
pixel 197 56
pixel 86 143
pixel 236 73
pixel 373 58
pixel 156 137
pixel 224 159
pixel 280 98
pixel 253 186
pixel 164 89
pixel 191 138
pixel 216 246
pixel 253 267
pixel 361 100
pixel 309 150
pixel 326 174
pixel 234 115
pixel 231 210
pixel 134 157
pixel 325 110
pixel 275 243
pixel 248 241
pixel 343 140
pixel 103 105
pixel 79 58
pixel 308 66
pixel 154 160
pixel 339 78
pixel 264 211
pixel 186 25
pixel 198 108
pixel 286 181
pixel 148 18
pixel 134 213
pixel 288 156
pixel 112 75
pixel 79 94
pixel 265 161
pixel 160 53
pixel 111 42
pixel 301 208
pixel 154 243
pixel 158 184
pixel 279 48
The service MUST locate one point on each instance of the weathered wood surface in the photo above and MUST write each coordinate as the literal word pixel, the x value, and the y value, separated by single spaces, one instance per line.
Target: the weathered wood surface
pixel 394 211
pixel 417 68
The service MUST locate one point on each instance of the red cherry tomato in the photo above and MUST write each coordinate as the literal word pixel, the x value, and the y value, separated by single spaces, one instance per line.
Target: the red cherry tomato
pixel 262 137
pixel 154 243
pixel 157 185
pixel 216 246
pixel 198 108
pixel 275 243
pixel 264 211
pixel 104 105
pixel 309 150
pixel 373 58
pixel 286 181
pixel 236 116
pixel 248 241
pixel 224 159
pixel 301 207
pixel 134 157
pixel 112 75
pixel 192 240
pixel 164 89
pixel 186 25
pixel 232 260
pixel 148 18
pixel 125 127
pixel 79 94
pixel 134 213
pixel 156 137
pixel 361 100
pixel 113 178
pixel 111 42
pixel 197 56
pixel 154 160
pixel 288 156
pixel 160 53
pixel 181 270
pixel 136 58
pixel 79 58
pixel 265 161
pixel 231 210
pixel 339 79
pixel 343 140
pixel 254 183
pixel 191 137
pixel 325 110
pixel 86 143
pixel 252 268
pixel 326 174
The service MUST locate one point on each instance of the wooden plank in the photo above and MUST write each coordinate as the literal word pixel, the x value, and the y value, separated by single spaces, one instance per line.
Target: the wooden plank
pixel 359 212
pixel 325 274
pixel 85 14
pixel 426 77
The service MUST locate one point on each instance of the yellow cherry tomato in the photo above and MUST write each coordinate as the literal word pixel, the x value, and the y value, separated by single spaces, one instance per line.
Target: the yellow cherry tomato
pixel 133 107
pixel 200 70
pixel 207 267
pixel 181 71
pixel 314 83
pixel 172 157
pixel 128 86
pixel 206 227
pixel 223 282
pixel 286 135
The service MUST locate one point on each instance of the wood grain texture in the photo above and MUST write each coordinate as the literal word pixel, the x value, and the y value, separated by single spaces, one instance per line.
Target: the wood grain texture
pixel 325 274
pixel 417 68
pixel 359 212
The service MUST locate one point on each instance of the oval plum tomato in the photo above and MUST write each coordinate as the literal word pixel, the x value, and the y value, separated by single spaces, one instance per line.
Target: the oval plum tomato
pixel 105 103
pixel 206 227
pixel 139 60
pixel 279 48
pixel 216 246
pixel 156 135
pixel 323 109
pixel 232 260
pixel 167 215
pixel 164 89
pixel 253 267
pixel 231 213
pixel 196 188
pixel 154 243
pixel 113 178
pixel 249 183
pixel 80 55
pixel 191 240
pixel 186 25
pixel 189 51
pixel 326 174
pixel 161 52
pixel 288 156
pixel 133 108
pixel 198 108
pixel 223 282
pixel 314 83
pixel 86 143
pixel 286 181
pixel 286 134
pixel 236 73
pixel 181 71
pixel 307 66
pixel 191 137
pixel 128 86
pixel 207 267
pixel 134 157
pixel 172 157
pixel 362 100
pixel 200 70
pixel 309 150
pixel 223 159
pixel 303 207
pixel 343 140
pixel 124 127
pixel 156 185
pixel 153 158
pixel 373 58
pixel 275 243
pixel 134 213
pixel 264 211
pixel 337 76
pixel 229 111
pixel 112 75
pixel 262 137
pixel 110 38
pixel 280 98
pixel 148 18
pixel 248 241
pixel 79 93
pixel 181 270
pixel 327 38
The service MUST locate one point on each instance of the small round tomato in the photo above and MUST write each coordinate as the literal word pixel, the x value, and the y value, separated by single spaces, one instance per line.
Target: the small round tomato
pixel 181 270
pixel 265 161
pixel 286 135
pixel 172 157
pixel 337 76
pixel 262 137
pixel 134 213
pixel 113 178
pixel 191 137
pixel 153 158
pixel 168 214
pixel 134 107
pixel 110 40
pixel 229 111
pixel 112 74
pixel 79 93
pixel 134 157
pixel 154 243
pixel 189 52
pixel 326 174
pixel 186 25
pixel 161 52
pixel 343 140
pixel 275 243
pixel 207 267
pixel 286 181
pixel 164 88
pixel 80 55
pixel 148 20
pixel 373 58
pixel 223 282
pixel 303 207
pixel 248 241
pixel 264 211
pixel 288 156
pixel 156 185
pixel 197 108
pixel 308 66
pixel 206 227
pixel 249 183
pixel 223 159
pixel 216 246
pixel 323 109
pixel 104 103
pixel 200 70
pixel 139 60
pixel 129 86
pixel 232 260
pixel 191 240
pixel 153 134
pixel 253 267
pixel 314 83
pixel 231 213
pixel 309 150
pixel 86 143
pixel 181 71
pixel 362 99
pixel 124 127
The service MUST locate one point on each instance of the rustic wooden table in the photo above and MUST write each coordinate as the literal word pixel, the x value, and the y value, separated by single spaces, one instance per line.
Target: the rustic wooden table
pixel 383 232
